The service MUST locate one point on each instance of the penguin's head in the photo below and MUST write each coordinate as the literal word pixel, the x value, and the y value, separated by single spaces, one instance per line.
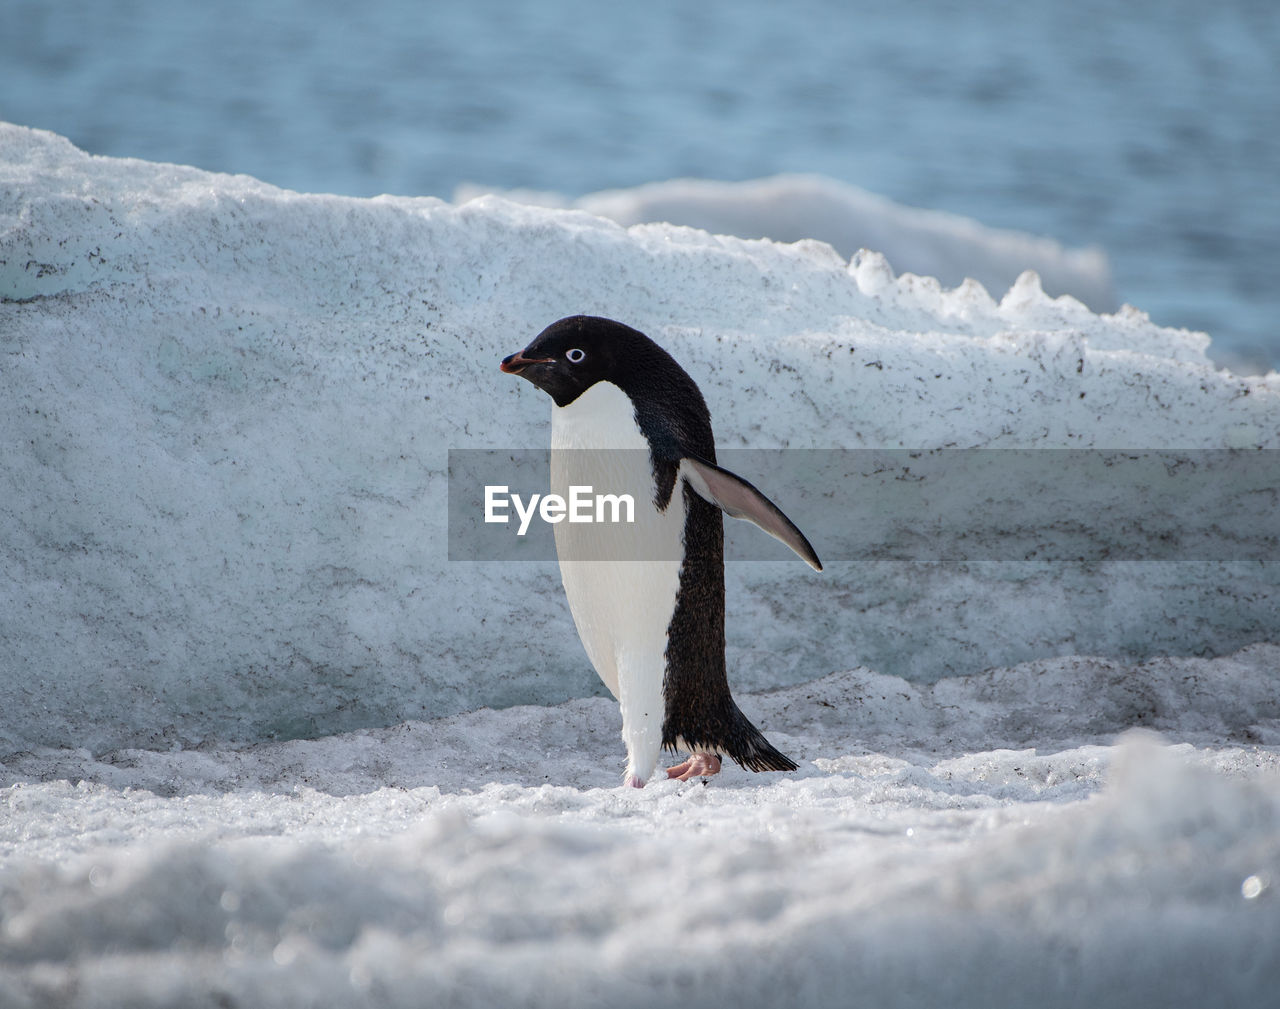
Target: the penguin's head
pixel 570 356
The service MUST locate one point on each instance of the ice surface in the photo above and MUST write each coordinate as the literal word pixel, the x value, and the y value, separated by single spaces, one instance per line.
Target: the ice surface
pixel 227 410
pixel 983 841
pixel 790 208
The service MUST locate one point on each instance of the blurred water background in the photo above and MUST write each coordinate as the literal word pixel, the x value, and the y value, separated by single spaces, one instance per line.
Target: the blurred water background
pixel 1151 129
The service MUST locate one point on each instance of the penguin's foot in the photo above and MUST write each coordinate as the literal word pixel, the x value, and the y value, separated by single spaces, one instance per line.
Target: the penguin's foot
pixel 633 781
pixel 699 765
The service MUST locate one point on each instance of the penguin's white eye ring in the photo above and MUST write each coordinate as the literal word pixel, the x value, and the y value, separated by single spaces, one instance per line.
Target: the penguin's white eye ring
pixel 575 356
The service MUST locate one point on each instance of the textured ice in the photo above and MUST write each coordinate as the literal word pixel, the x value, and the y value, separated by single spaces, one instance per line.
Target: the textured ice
pixel 987 841
pixel 790 208
pixel 227 409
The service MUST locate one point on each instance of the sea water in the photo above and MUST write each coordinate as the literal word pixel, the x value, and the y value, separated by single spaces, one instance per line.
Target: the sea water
pixel 1146 128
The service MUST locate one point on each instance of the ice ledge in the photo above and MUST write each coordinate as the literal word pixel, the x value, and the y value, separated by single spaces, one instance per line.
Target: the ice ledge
pixel 227 409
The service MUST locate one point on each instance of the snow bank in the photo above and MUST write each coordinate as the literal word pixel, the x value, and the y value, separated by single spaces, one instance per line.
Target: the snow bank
pixel 790 208
pixel 228 408
pixel 489 859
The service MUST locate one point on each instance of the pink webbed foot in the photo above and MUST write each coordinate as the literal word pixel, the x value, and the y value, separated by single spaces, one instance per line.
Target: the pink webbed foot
pixel 699 765
pixel 633 782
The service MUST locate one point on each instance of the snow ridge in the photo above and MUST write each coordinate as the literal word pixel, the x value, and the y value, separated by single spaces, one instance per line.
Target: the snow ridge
pixel 228 409
pixel 489 858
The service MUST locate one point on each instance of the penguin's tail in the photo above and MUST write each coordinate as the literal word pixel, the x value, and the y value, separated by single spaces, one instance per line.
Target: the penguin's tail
pixel 728 733
pixel 755 753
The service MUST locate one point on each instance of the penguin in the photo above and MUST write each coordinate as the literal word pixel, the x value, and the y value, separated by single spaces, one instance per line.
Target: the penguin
pixel 625 416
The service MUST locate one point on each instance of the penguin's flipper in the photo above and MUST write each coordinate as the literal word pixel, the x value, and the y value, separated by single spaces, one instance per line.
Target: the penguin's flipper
pixel 742 501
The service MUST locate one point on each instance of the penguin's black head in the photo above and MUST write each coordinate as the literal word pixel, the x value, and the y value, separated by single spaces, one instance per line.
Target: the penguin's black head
pixel 570 356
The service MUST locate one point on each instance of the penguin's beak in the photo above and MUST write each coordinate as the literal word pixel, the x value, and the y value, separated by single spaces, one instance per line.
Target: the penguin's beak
pixel 517 362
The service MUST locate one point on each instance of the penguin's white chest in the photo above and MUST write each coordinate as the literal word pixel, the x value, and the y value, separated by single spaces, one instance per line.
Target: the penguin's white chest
pixel 621 605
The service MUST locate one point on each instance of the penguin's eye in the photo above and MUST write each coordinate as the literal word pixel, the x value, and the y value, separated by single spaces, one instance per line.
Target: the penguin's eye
pixel 575 356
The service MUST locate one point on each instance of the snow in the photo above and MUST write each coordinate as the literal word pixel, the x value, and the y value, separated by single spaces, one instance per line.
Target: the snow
pixel 229 409
pixel 794 207
pixel 982 841
pixel 264 744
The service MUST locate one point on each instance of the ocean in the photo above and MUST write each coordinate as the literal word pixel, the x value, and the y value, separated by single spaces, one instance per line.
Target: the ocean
pixel 1147 129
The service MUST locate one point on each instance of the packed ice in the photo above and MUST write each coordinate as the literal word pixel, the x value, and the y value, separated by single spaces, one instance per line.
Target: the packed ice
pixel 264 744
pixel 999 839
pixel 230 409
